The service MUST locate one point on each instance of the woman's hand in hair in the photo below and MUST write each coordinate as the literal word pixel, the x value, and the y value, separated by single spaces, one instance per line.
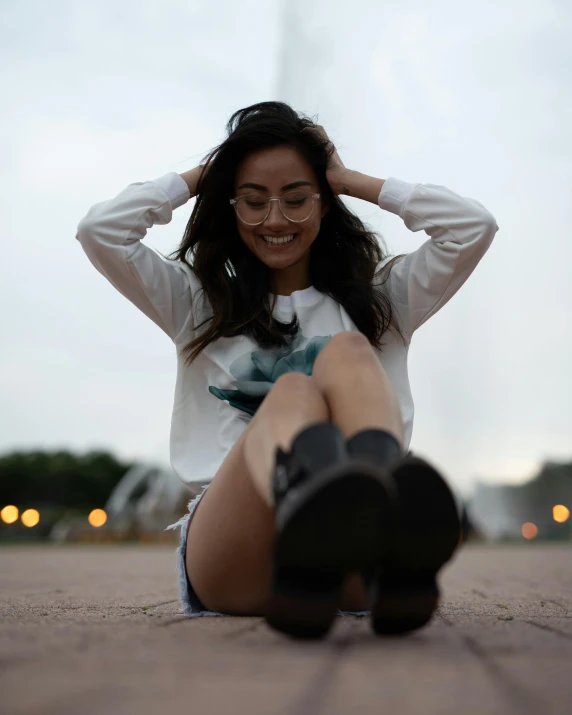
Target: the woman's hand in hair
pixel 336 169
pixel 192 177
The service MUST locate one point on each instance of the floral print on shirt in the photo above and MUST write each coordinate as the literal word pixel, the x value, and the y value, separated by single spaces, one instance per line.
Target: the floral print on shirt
pixel 256 372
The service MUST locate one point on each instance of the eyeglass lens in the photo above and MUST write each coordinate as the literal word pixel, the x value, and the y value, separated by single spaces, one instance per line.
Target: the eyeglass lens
pixel 295 205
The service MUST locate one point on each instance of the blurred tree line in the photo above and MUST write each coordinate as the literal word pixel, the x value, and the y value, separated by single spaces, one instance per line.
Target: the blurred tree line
pixel 62 479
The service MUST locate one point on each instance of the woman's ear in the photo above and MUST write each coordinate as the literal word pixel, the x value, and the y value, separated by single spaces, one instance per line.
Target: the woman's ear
pixel 325 209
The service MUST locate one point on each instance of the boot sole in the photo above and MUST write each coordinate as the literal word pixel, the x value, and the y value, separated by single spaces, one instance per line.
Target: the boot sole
pixel 406 594
pixel 337 523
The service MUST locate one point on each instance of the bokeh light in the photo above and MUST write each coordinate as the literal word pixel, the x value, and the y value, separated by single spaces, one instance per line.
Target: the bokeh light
pixel 560 513
pixel 30 517
pixel 529 530
pixel 9 514
pixel 97 517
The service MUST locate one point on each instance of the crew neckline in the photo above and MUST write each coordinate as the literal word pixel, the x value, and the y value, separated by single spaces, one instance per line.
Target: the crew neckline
pixel 306 296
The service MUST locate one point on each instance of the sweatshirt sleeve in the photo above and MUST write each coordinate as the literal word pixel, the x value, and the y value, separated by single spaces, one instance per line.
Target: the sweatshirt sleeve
pixel 460 230
pixel 111 233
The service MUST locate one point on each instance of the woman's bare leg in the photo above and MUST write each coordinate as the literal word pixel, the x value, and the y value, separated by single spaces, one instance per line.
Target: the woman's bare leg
pixel 231 534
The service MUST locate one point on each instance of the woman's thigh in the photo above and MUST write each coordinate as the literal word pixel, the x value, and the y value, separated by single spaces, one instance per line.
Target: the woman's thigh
pixel 230 542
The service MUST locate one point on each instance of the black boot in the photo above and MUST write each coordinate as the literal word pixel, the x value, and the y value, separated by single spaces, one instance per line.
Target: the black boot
pixel 404 593
pixel 380 448
pixel 333 516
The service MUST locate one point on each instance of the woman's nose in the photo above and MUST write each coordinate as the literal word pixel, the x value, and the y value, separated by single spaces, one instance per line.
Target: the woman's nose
pixel 275 217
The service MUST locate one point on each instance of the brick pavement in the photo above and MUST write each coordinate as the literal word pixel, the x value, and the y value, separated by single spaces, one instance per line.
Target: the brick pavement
pixel 93 630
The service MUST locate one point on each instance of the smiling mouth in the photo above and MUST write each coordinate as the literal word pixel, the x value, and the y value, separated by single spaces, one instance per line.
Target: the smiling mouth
pixel 279 240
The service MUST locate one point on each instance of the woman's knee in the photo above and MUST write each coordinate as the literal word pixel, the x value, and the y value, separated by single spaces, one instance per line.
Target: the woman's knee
pixel 348 341
pixel 343 349
pixel 294 389
pixel 293 381
pixel 347 346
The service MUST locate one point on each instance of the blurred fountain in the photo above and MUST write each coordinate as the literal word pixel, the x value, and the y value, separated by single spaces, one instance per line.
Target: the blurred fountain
pixel 146 500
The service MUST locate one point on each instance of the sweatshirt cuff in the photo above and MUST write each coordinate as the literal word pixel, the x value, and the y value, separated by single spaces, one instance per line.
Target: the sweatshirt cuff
pixel 175 188
pixel 394 195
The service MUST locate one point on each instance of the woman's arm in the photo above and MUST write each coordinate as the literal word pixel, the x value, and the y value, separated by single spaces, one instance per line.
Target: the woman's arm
pixel 361 186
pixel 345 181
pixel 112 233
pixel 191 178
pixel 460 232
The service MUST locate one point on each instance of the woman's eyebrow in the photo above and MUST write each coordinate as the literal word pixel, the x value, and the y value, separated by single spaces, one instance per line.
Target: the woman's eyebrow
pixel 259 187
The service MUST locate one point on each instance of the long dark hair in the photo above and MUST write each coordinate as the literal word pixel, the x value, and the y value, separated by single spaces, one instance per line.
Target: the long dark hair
pixel 343 257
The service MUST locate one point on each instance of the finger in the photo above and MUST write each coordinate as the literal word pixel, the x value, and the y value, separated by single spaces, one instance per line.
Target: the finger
pixel 317 129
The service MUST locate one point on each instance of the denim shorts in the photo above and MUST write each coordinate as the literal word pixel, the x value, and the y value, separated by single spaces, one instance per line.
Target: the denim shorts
pixel 190 603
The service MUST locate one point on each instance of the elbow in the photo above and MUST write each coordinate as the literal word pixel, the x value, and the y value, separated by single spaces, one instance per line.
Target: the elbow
pixel 488 231
pixel 84 231
pixel 490 223
pixel 90 224
pixel 87 230
pixel 489 219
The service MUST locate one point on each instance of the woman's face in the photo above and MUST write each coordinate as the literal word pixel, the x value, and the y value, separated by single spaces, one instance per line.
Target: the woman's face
pixel 273 172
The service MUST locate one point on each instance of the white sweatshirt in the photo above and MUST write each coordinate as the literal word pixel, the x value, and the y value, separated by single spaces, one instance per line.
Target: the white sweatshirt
pixel 217 395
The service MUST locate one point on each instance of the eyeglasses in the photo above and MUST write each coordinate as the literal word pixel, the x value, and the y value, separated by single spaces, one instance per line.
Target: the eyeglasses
pixel 254 209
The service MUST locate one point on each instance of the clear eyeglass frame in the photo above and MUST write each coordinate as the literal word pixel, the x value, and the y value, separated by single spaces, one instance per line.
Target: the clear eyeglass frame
pixel 274 198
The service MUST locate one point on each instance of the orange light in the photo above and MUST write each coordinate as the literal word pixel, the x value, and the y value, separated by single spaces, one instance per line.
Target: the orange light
pixel 9 514
pixel 560 513
pixel 97 517
pixel 529 530
pixel 30 517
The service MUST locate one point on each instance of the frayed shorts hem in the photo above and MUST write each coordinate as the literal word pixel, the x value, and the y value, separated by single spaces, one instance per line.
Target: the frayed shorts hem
pixel 190 602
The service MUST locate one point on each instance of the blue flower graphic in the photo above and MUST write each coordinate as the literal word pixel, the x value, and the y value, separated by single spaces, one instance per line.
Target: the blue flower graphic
pixel 257 371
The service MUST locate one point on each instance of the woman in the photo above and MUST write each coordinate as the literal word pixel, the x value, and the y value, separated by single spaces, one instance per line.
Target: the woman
pixel 292 401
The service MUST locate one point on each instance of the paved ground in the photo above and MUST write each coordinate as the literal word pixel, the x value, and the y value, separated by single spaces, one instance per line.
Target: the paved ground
pixel 92 630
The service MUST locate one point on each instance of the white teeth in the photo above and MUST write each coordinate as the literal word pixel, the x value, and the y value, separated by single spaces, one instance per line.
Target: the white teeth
pixel 282 239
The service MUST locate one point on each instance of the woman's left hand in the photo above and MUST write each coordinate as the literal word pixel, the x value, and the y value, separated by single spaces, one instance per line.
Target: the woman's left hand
pixel 336 170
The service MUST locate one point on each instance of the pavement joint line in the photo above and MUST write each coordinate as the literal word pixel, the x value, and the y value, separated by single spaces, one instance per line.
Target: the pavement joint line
pixel 479 593
pixel 171 621
pixel 523 701
pixel 311 700
pixel 184 619
pixel 155 605
pixel 243 630
pixel 551 629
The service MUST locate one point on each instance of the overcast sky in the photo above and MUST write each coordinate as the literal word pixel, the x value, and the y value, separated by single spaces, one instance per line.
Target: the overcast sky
pixel 478 99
